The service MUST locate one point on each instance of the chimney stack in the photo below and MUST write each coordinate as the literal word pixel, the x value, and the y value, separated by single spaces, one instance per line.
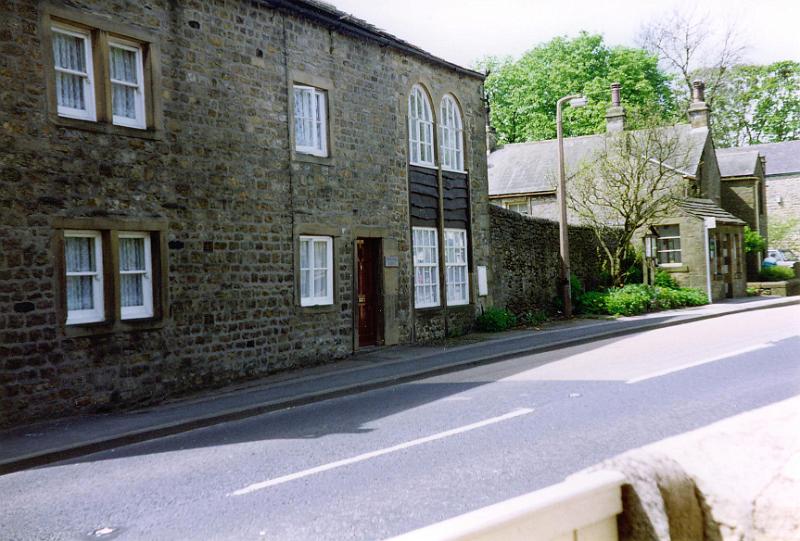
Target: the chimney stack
pixel 615 115
pixel 699 111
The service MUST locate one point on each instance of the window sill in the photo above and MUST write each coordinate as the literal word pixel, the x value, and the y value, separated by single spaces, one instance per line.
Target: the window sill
pixel 317 309
pixel 674 267
pixel 311 158
pixel 430 166
pixel 105 127
pixel 78 330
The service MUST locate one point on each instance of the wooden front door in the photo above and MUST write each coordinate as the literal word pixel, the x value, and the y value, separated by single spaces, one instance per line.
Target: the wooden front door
pixel 370 301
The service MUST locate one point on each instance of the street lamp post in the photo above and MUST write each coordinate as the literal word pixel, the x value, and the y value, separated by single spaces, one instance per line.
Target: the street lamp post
pixel 574 101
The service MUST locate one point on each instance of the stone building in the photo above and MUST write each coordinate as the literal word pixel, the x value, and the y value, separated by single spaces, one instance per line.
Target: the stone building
pixel 744 193
pixel 195 193
pixel 523 178
pixel 781 173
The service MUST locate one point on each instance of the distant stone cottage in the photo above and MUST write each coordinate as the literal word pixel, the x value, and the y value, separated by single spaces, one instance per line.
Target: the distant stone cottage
pixel 523 178
pixel 198 193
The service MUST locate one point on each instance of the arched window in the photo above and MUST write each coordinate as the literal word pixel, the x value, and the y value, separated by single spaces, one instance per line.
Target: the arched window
pixel 451 135
pixel 420 128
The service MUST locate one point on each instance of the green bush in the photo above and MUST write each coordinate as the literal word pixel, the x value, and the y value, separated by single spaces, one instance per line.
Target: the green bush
pixel 753 241
pixel 536 317
pixel 593 302
pixel 665 279
pixel 776 274
pixel 629 300
pixel 676 298
pixel 634 299
pixel 496 320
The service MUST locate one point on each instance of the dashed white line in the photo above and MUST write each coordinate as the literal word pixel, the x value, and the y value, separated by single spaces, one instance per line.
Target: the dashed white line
pixel 380 452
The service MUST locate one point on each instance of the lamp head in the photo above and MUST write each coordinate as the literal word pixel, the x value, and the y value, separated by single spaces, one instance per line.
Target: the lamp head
pixel 578 102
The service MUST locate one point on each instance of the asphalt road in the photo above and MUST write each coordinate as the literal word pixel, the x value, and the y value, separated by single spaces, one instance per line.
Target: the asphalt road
pixel 384 462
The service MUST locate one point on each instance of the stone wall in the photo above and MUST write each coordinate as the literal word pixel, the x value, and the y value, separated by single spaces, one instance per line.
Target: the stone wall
pixel 785 189
pixel 219 171
pixel 526 263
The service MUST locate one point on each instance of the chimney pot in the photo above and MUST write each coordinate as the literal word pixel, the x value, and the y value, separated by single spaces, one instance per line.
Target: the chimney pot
pixel 698 91
pixel 615 101
pixel 615 115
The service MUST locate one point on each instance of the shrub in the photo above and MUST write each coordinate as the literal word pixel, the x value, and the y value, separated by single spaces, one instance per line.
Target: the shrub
pixel 665 279
pixel 575 286
pixel 629 300
pixel 676 298
pixel 753 241
pixel 776 274
pixel 593 302
pixel 533 318
pixel 496 320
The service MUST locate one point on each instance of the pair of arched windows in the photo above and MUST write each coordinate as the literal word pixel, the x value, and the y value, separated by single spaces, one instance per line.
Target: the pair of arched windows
pixel 420 131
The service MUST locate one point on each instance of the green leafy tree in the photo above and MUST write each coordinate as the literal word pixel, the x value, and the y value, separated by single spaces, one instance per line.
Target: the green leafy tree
pixel 523 93
pixel 758 104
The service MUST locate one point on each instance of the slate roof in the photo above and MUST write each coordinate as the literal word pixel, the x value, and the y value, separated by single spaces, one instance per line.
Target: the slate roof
pixel 341 21
pixel 533 167
pixel 737 162
pixel 706 208
pixel 782 158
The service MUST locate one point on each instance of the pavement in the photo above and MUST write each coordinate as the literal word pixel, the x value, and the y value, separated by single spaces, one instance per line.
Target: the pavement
pixel 44 443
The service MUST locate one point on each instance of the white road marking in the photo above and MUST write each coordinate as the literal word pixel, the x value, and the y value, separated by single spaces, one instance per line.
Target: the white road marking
pixel 697 363
pixel 380 452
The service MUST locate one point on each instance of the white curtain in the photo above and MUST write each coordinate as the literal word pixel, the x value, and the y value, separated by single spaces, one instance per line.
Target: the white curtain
pixel 320 269
pixel 80 258
pixel 69 53
pixel 123 68
pixel 132 267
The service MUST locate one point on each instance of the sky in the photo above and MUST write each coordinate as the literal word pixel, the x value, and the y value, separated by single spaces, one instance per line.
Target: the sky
pixel 463 31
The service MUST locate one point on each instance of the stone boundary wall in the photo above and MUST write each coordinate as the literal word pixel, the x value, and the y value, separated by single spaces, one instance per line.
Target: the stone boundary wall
pixel 525 260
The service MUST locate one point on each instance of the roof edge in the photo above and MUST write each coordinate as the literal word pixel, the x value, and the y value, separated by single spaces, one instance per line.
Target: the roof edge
pixel 347 23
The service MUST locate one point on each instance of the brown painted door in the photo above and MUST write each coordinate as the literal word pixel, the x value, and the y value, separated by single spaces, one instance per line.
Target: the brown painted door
pixel 370 308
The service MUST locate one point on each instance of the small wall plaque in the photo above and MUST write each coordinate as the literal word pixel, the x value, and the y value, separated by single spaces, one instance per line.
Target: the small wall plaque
pixel 391 261
pixel 483 283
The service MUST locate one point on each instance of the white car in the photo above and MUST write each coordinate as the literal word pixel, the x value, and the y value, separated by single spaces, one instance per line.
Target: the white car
pixel 783 258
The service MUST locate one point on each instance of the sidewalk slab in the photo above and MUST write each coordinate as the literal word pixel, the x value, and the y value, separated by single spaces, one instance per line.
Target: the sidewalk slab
pixel 52 441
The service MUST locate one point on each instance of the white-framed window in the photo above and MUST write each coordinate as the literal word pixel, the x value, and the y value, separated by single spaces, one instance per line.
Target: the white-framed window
pixel 426 267
pixel 72 61
pixel 451 135
pixel 420 128
pixel 135 275
pixel 316 270
pixel 520 207
pixel 126 70
pixel 455 265
pixel 83 255
pixel 668 246
pixel 310 121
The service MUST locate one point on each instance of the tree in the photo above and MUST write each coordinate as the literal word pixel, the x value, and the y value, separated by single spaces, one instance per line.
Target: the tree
pixel 632 181
pixel 758 104
pixel 689 47
pixel 523 93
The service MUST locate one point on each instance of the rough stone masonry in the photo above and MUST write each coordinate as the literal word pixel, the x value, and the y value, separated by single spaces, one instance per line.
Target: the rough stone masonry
pixel 215 181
